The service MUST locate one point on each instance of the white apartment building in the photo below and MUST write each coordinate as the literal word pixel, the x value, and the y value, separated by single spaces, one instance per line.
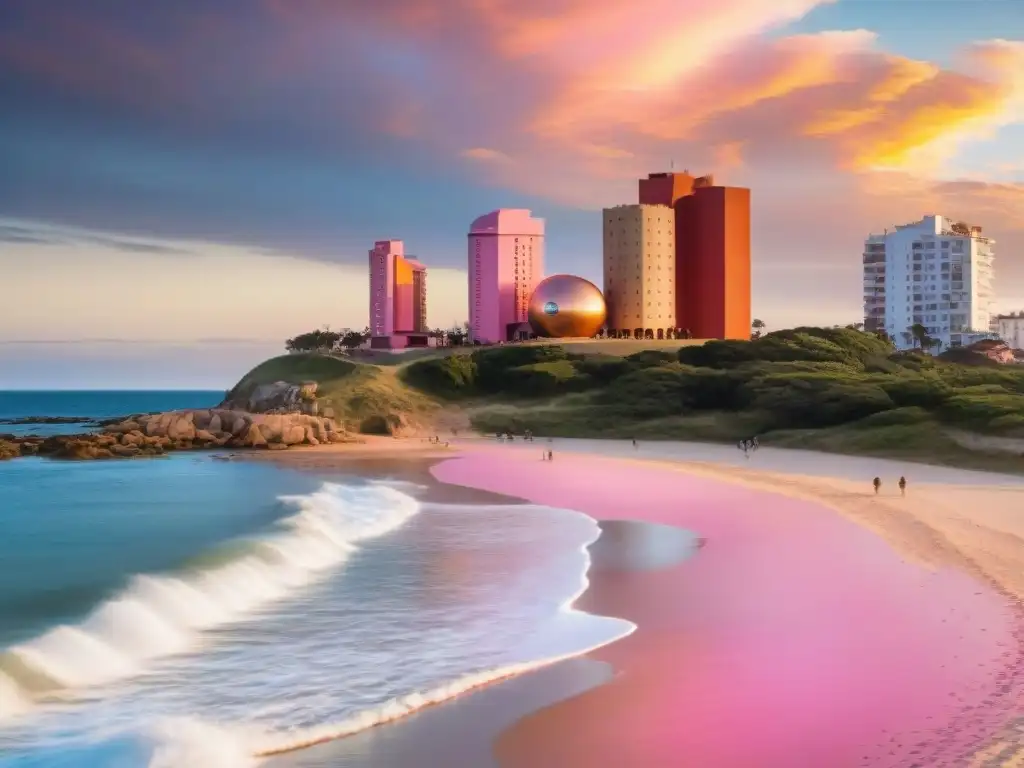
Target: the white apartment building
pixel 934 272
pixel 1010 329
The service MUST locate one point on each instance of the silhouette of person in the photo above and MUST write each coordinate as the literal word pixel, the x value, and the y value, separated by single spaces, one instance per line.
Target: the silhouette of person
pixel 903 486
pixel 634 442
pixel 550 456
pixel 877 482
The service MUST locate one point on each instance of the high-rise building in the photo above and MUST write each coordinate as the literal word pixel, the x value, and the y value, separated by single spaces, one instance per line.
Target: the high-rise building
pixel 712 252
pixel 936 273
pixel 398 296
pixel 713 263
pixel 639 269
pixel 506 261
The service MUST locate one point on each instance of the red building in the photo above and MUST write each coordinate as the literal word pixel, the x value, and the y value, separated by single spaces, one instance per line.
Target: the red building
pixel 712 252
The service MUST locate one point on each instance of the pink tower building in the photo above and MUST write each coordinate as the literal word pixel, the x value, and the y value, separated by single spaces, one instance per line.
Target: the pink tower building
pixel 398 296
pixel 506 261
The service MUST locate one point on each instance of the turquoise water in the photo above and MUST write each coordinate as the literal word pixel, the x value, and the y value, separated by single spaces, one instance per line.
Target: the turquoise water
pixel 91 404
pixel 185 611
pixel 72 531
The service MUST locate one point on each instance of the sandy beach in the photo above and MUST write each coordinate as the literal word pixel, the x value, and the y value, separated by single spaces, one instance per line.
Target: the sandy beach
pixel 820 624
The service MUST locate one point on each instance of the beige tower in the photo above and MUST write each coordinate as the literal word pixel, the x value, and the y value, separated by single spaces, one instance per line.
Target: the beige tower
pixel 639 268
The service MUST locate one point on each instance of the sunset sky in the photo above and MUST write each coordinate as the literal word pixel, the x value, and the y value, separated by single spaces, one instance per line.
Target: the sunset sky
pixel 184 184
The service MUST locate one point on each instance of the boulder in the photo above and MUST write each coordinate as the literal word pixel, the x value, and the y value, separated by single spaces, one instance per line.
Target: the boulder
pixel 205 436
pixel 181 427
pixel 135 437
pixel 215 424
pixel 277 446
pixel 253 438
pixel 293 435
pixel 277 396
pixel 125 451
pixel 201 419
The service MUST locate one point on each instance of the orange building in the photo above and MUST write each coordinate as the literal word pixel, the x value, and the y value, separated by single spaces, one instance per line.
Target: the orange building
pixel 712 252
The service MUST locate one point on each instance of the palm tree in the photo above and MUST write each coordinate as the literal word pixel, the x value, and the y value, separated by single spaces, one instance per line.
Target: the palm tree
pixel 920 335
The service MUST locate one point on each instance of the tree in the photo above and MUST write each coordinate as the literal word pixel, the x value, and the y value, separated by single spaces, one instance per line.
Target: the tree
pixel 855 326
pixel 920 335
pixel 352 339
pixel 456 337
pixel 314 341
pixel 756 328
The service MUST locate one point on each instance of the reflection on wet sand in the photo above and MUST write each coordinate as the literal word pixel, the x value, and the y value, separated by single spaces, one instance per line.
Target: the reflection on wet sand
pixel 459 732
pixel 634 545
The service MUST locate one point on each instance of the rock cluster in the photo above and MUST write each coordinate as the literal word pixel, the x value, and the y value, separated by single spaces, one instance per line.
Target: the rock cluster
pixel 277 398
pixel 155 434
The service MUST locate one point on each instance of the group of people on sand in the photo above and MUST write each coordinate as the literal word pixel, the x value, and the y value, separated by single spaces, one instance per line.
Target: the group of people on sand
pixel 902 483
pixel 748 446
pixel 509 437
pixel 437 441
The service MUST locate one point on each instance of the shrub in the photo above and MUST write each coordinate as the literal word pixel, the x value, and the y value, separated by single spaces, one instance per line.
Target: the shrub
pixel 709 389
pixel 602 369
pixel 647 393
pixel 651 358
pixel 908 390
pixel 803 401
pixel 548 378
pixel 451 376
pixel 896 417
pixel 840 345
pixel 981 409
pixel 493 364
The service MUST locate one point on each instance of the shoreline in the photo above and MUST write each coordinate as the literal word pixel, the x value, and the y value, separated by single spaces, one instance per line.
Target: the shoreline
pixel 530 742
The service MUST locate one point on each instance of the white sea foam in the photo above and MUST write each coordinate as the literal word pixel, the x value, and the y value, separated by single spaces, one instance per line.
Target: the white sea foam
pixel 230 747
pixel 157 616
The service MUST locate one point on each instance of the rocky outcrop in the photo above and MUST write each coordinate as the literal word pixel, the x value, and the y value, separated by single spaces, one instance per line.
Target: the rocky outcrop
pixel 50 420
pixel 158 433
pixel 278 397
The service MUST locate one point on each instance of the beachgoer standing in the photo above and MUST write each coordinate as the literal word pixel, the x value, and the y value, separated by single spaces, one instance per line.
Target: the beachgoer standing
pixel 903 486
pixel 877 482
pixel 634 443
pixel 550 455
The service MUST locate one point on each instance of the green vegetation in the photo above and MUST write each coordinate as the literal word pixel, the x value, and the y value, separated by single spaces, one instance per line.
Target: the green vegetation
pixel 833 389
pixel 364 398
pixel 837 389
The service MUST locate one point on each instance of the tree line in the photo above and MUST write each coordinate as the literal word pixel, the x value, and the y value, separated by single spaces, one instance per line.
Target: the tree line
pixel 325 340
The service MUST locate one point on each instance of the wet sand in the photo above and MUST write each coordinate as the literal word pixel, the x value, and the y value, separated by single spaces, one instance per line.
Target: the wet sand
pixel 795 637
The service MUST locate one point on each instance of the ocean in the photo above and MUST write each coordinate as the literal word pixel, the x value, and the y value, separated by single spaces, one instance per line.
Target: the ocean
pixel 186 611
pixel 91 405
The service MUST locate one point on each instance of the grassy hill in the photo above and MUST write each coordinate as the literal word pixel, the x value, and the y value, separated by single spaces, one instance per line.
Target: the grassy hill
pixel 365 398
pixel 836 390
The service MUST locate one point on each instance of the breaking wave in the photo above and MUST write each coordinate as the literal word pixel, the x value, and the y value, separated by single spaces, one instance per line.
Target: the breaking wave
pixel 160 615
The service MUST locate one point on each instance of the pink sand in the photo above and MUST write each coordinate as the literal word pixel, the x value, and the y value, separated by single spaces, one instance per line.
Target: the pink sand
pixel 804 640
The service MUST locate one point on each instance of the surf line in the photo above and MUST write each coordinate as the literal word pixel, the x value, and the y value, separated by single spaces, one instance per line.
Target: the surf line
pixel 404 706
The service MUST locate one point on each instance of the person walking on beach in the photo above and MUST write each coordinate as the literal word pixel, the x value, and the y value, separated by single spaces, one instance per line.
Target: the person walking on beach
pixel 550 456
pixel 634 443
pixel 877 482
pixel 903 486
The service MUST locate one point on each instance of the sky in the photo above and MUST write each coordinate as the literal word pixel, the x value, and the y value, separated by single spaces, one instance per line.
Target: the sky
pixel 184 185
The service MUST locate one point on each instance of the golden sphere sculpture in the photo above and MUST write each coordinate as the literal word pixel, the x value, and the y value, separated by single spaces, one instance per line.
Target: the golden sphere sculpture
pixel 566 306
